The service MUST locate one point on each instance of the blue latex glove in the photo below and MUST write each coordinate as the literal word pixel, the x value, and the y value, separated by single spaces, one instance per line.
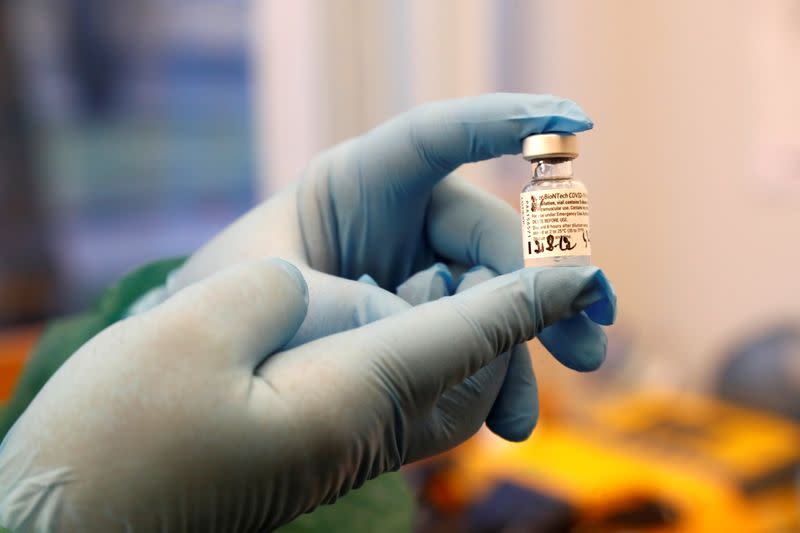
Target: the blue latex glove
pixel 197 415
pixel 385 205
pixel 251 396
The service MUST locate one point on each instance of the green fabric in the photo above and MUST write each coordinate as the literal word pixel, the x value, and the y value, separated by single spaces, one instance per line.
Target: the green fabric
pixel 383 504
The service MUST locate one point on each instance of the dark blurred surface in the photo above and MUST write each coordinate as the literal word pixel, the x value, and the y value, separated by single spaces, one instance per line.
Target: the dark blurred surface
pixel 763 371
pixel 27 272
pixel 126 138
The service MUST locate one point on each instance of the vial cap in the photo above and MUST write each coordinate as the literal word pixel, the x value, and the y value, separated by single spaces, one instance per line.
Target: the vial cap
pixel 550 145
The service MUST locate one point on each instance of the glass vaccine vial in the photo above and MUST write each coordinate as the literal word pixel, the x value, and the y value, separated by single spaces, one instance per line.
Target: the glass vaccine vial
pixel 554 206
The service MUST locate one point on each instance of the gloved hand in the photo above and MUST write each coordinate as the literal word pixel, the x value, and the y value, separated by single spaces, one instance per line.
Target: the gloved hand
pixel 385 206
pixel 196 416
pixel 160 420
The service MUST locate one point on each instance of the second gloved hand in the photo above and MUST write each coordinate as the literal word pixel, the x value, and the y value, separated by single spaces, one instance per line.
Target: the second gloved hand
pixel 198 414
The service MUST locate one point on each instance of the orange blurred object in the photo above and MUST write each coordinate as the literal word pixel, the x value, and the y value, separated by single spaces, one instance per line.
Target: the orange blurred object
pixel 15 347
pixel 656 462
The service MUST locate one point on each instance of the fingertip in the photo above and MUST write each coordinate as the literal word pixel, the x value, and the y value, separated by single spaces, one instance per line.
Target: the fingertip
pixel 368 280
pixel 576 342
pixel 378 304
pixel 516 429
pixel 556 115
pixel 566 291
pixel 443 272
pixel 474 276
pixel 576 113
pixel 602 351
pixel 430 284
pixel 293 274
pixel 599 357
pixel 247 312
pixel 604 310
pixel 338 304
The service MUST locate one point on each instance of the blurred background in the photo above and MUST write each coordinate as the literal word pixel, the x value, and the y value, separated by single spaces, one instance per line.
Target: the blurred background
pixel 133 131
pixel 126 138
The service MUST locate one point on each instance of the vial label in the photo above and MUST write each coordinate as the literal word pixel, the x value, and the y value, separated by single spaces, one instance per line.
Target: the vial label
pixel 555 223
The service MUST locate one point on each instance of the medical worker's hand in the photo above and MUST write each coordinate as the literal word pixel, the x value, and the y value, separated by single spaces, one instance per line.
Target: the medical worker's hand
pixel 385 205
pixel 198 415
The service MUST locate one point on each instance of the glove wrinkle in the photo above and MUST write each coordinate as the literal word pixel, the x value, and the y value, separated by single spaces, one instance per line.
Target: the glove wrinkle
pixel 35 501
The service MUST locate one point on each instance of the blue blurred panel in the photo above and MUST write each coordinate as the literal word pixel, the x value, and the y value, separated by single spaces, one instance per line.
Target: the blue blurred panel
pixel 144 128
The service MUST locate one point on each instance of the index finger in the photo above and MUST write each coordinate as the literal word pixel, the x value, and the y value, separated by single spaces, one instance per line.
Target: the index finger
pixel 424 145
